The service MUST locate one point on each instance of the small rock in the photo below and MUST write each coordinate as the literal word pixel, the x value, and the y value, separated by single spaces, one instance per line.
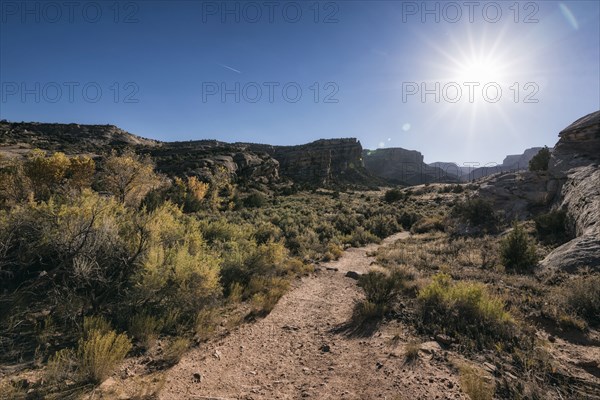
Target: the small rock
pixel 217 354
pixel 290 328
pixel 511 376
pixel 379 365
pixel 489 367
pixel 108 384
pixel 430 347
pixel 353 275
pixel 551 339
pixel 450 385
pixel 325 348
pixel 197 377
pixel 444 339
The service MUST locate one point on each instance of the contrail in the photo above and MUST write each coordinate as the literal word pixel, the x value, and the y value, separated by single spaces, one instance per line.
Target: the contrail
pixel 231 69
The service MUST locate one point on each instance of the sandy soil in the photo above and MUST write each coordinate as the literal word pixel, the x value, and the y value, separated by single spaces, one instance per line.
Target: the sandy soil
pixel 300 351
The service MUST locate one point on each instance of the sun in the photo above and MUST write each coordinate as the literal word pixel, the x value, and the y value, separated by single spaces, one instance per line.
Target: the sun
pixel 480 70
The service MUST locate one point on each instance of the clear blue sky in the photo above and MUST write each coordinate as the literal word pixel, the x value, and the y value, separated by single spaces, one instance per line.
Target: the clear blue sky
pixel 370 58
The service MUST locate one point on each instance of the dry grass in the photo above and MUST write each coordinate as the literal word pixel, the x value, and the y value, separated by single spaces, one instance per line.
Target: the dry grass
pixel 474 383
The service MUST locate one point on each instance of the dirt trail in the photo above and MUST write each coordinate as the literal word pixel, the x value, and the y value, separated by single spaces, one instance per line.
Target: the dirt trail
pixel 296 352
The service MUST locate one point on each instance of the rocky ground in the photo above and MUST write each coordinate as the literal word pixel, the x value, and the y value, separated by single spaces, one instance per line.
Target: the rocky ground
pixel 302 350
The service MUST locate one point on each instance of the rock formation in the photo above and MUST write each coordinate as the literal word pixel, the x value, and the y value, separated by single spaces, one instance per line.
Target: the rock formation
pixel 572 184
pixel 398 165
pixel 511 163
pixel 574 165
pixel 323 162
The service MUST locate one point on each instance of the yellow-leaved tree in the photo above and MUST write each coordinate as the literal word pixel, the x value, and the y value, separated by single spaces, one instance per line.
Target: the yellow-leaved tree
pixel 129 177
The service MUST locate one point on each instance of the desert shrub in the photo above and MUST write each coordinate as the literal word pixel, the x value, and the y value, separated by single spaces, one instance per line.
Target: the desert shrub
pixel 145 329
pixel 218 231
pixel 474 384
pixel 61 366
pixel 411 351
pixel 393 195
pixel 334 251
pixel 582 297
pixel 366 310
pixel 254 200
pixel 266 292
pixel 464 309
pixel 266 232
pixel 10 390
pixel 458 188
pixel 360 237
pixel 99 354
pixel 383 226
pixel 407 219
pixel 540 161
pixel 205 323
pixel 517 252
pixel 175 350
pixel 380 288
pixel 477 212
pixel 95 323
pixel 428 224
pixel 552 227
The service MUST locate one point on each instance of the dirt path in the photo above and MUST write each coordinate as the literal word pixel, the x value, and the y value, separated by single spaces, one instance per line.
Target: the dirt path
pixel 295 351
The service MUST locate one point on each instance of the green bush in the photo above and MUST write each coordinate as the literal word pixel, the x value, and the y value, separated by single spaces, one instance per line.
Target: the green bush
pixel 393 195
pixel 478 213
pixel 380 288
pixel 408 219
pixel 145 328
pixel 517 252
pixel 464 309
pixel 99 354
pixel 552 227
pixel 428 224
pixel 254 200
pixel 540 161
pixel 582 297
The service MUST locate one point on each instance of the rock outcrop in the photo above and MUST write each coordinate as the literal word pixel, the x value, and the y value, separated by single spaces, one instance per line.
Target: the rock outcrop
pixel 518 194
pixel 511 163
pixel 572 184
pixel 323 162
pixel 575 166
pixel 401 166
pixel 201 158
pixel 69 138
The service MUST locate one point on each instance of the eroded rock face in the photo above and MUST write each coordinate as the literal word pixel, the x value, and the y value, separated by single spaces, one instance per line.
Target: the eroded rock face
pixel 511 163
pixel 581 199
pixel 518 194
pixel 398 165
pixel 323 162
pixel 579 145
pixel 574 165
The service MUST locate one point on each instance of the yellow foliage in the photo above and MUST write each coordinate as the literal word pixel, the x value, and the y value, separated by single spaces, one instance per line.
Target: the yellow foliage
pixel 100 353
pixel 129 177
pixel 197 189
pixel 81 172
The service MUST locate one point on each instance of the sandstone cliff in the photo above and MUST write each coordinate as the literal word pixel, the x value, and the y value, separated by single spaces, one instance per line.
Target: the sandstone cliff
pixel 398 165
pixel 572 184
pixel 323 162
pixel 574 165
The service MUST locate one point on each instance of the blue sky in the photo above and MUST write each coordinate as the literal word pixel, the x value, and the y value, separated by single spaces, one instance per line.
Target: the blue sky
pixel 233 71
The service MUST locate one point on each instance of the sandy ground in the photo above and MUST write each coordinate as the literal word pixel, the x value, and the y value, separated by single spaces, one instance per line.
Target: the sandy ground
pixel 299 351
